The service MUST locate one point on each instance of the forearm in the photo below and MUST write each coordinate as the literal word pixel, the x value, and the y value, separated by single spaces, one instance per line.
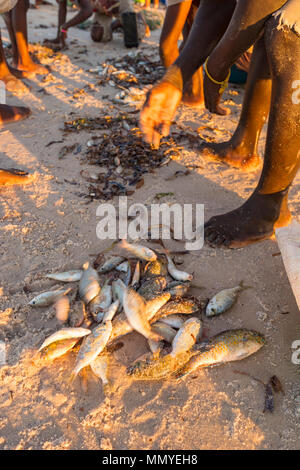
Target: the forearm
pixel 244 29
pixel 211 22
pixel 81 16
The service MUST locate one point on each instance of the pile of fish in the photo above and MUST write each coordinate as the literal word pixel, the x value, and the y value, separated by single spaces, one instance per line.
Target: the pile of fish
pixel 122 152
pixel 131 69
pixel 139 289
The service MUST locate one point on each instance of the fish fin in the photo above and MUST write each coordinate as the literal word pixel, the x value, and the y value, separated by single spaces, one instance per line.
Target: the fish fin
pixel 243 287
pixel 73 377
pixel 84 381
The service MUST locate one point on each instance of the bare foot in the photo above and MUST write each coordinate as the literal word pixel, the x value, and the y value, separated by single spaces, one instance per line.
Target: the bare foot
pixel 14 85
pixel 31 69
pixel 225 152
pixel 254 221
pixel 13 176
pixel 13 113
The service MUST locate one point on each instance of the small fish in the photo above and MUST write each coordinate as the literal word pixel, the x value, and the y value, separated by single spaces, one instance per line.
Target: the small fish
pixel 138 251
pixel 89 286
pixel 65 333
pixel 176 273
pixel 135 311
pixel 175 321
pixel 175 307
pixel 100 367
pixel 165 331
pixel 123 267
pixel 230 345
pixel 118 290
pixel 152 287
pixel 136 275
pixel 68 276
pixel 58 349
pixel 103 300
pixel 48 298
pixel 92 346
pixel 155 268
pixel 155 304
pixel 156 369
pixel 110 264
pixel 122 327
pixel 223 300
pixel 178 288
pixel 111 311
pixel 186 336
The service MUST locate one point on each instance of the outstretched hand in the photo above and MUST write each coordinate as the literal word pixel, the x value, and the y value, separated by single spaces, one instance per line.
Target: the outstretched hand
pixel 159 111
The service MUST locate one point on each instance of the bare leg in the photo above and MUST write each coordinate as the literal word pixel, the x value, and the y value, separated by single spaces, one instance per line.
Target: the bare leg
pixel 12 84
pixel 179 18
pixel 266 208
pixel 22 59
pixel 241 150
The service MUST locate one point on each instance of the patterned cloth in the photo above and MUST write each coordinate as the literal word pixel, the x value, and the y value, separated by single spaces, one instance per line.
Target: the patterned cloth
pixel 7 5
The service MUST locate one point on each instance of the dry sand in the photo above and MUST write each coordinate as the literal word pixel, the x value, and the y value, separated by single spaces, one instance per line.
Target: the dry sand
pixel 47 227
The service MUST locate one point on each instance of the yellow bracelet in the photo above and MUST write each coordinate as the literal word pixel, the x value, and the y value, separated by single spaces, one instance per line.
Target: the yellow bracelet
pixel 223 84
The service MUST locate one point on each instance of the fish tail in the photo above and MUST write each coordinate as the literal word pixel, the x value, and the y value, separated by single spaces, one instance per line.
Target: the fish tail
pixel 243 287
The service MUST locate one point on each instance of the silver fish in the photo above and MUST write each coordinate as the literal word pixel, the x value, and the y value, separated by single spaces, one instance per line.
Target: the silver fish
pixel 223 301
pixel 138 251
pixel 111 311
pixel 68 276
pixel 135 311
pixel 48 298
pixel 58 349
pixel 175 321
pixel 166 331
pixel 103 300
pixel 118 290
pixel 122 327
pixel 136 275
pixel 89 286
pixel 92 346
pixel 186 336
pixel 110 264
pixel 176 273
pixel 65 333
pixel 123 267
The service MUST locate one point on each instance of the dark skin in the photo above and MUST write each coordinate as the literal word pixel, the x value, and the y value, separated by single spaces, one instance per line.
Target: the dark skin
pixel 208 28
pixel 86 10
pixel 179 19
pixel 7 75
pixel 267 208
pixel 16 22
pixel 241 150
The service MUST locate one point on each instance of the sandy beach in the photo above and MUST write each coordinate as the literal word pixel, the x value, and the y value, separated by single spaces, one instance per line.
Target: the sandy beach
pixel 49 226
